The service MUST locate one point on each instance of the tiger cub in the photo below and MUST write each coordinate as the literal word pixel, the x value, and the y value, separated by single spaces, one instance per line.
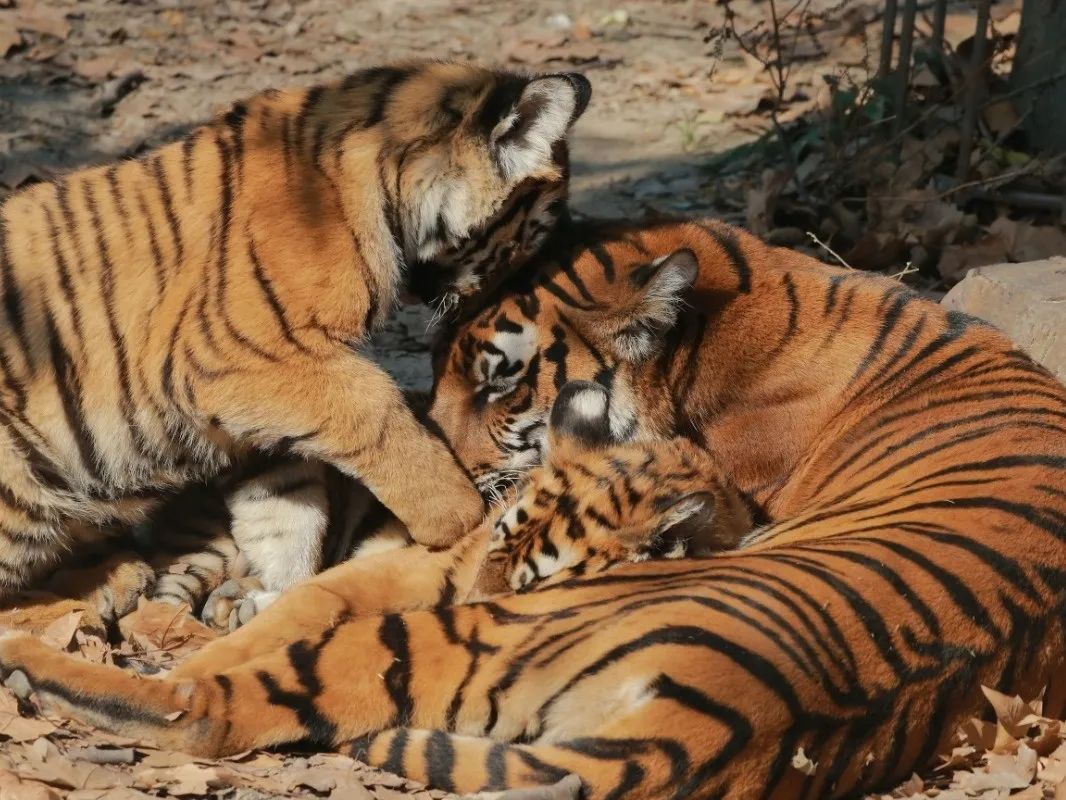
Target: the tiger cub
pixel 165 315
pixel 597 502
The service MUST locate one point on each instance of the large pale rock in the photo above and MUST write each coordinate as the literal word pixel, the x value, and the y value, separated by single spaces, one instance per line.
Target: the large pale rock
pixel 1025 301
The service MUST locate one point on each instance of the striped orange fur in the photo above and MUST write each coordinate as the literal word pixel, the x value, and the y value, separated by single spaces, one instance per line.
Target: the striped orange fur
pixel 165 315
pixel 905 466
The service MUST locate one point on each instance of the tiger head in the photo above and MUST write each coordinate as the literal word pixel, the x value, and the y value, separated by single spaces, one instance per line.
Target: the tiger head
pixel 597 501
pixel 498 373
pixel 456 151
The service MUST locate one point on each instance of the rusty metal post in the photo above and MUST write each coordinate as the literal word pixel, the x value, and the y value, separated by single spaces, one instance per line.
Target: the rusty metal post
pixel 973 90
pixel 903 65
pixel 888 30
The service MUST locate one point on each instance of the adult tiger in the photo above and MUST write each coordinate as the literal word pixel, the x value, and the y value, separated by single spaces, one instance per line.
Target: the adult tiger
pixel 163 315
pixel 910 462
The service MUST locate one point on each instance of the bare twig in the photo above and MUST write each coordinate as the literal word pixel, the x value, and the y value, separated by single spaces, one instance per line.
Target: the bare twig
pixel 829 250
pixel 1053 78
pixel 102 755
pixel 908 269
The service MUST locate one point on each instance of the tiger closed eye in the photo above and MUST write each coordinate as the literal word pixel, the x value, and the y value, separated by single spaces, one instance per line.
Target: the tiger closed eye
pixel 499 387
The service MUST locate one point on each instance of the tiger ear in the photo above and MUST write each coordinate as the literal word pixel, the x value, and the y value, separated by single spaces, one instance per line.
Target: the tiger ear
pixel 581 415
pixel 659 287
pixel 686 526
pixel 523 139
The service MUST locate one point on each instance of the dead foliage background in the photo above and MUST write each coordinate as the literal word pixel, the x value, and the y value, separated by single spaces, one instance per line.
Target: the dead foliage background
pixel 771 114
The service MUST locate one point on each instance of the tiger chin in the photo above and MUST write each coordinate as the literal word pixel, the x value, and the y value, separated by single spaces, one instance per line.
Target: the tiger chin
pixel 163 316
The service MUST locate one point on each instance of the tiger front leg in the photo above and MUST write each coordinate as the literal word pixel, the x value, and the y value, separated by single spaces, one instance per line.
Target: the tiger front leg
pixel 290 694
pixel 347 411
pixel 173 714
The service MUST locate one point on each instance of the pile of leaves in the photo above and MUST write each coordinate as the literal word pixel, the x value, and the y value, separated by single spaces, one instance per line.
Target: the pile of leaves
pixel 1021 755
pixel 45 758
pixel 879 186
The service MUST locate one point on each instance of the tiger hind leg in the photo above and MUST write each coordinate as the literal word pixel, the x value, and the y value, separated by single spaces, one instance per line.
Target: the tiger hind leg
pixel 189 545
pixel 101 593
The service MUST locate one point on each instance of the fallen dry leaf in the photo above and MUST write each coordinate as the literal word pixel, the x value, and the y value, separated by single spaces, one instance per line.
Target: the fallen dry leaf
pixel 40 18
pixel 14 788
pixel 164 627
pixel 60 633
pixel 187 780
pixel 1027 242
pixel 17 728
pixel 10 38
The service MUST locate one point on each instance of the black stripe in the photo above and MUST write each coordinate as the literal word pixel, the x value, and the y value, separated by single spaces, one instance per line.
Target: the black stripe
pixel 187 165
pixel 727 240
pixel 71 225
pixel 599 252
pixel 393 635
pixel 888 324
pixel 270 295
pixel 153 241
pixel 70 395
pixel 397 748
pixel 107 290
pixel 12 295
pixel 225 223
pixel 66 284
pixel 159 173
pixel 311 101
pixel 440 761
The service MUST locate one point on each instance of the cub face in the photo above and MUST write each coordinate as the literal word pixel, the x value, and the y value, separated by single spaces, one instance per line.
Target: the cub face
pixel 598 501
pixel 462 142
pixel 498 374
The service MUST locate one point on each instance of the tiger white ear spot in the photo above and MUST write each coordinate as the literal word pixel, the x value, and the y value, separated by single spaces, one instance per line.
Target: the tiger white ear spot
pixel 545 110
pixel 582 413
pixel 661 285
pixel 589 404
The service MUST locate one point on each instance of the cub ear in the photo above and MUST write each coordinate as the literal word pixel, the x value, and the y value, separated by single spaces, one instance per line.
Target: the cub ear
pixel 581 414
pixel 541 116
pixel 686 526
pixel 659 287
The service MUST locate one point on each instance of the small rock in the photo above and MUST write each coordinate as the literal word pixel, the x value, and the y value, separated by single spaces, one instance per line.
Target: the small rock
pixel 1025 301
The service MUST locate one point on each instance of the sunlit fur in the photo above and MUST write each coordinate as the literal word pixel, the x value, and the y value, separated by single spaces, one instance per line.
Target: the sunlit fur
pixel 907 464
pixel 594 504
pixel 164 315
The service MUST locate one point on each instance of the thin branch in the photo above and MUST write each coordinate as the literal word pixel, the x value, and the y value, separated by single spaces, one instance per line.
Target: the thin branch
pixel 829 250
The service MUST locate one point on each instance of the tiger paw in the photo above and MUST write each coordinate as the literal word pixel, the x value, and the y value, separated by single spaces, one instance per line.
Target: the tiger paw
pixel 235 603
pixel 16 647
pixel 569 788
pixel 112 587
pixel 456 511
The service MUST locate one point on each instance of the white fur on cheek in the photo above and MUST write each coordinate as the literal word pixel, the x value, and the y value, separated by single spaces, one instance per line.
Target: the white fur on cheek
pixel 517 346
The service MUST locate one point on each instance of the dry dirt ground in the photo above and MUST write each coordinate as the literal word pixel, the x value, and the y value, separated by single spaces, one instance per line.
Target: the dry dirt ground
pixel 86 80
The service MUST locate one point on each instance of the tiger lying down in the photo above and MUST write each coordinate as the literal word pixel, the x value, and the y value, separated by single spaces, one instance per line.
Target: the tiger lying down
pixel 908 465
